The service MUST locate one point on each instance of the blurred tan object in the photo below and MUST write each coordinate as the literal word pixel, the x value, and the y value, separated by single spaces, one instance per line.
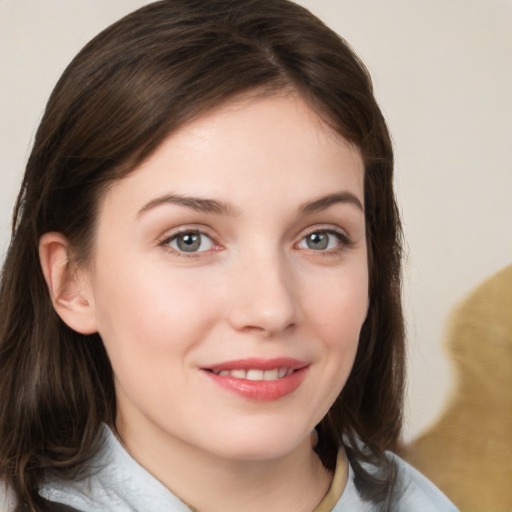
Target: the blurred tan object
pixel 468 452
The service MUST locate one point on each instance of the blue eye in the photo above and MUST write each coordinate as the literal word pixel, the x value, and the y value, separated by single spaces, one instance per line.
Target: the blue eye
pixel 321 241
pixel 190 241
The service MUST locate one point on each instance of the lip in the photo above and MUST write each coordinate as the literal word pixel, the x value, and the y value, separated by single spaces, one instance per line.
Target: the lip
pixel 259 390
pixel 258 364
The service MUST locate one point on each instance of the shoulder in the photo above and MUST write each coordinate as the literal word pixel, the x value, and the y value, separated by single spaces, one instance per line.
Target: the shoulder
pixel 416 492
pixel 7 501
pixel 413 492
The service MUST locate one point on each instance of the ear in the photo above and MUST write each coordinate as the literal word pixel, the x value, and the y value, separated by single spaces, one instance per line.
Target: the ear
pixel 70 288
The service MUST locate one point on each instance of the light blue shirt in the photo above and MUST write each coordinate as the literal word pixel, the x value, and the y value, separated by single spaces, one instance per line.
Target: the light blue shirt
pixel 117 483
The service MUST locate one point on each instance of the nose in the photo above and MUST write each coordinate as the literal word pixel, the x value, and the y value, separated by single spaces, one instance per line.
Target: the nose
pixel 263 299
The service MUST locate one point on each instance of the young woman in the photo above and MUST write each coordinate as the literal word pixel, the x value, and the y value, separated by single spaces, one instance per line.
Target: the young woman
pixel 201 300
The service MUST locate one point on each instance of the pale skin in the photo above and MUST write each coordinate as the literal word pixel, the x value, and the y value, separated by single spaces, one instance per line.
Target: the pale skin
pixel 241 238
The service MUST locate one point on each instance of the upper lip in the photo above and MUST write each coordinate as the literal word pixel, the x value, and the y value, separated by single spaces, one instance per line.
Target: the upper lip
pixel 258 364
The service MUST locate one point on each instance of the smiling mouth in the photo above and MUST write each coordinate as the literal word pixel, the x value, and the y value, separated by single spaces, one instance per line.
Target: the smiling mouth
pixel 260 380
pixel 255 374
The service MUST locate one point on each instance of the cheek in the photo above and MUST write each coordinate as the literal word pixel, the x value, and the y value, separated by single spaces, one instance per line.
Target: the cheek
pixel 339 307
pixel 336 313
pixel 143 315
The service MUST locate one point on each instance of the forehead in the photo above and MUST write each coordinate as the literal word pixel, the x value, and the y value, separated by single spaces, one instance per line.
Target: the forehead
pixel 244 150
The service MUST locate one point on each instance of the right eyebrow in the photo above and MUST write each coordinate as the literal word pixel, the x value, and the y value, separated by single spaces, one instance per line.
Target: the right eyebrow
pixel 199 204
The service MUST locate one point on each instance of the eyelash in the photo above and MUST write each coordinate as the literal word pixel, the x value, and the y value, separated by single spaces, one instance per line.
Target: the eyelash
pixel 182 232
pixel 342 238
pixel 343 242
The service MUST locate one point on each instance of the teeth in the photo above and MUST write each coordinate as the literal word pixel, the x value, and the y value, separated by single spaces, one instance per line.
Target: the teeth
pixel 253 374
pixel 271 374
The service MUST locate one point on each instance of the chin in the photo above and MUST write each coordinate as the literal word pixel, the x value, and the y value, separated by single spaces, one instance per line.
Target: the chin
pixel 264 444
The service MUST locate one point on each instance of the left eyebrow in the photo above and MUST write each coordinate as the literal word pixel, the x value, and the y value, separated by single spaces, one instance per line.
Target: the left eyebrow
pixel 324 202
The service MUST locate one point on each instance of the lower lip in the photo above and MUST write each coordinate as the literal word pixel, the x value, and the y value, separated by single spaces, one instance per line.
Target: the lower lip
pixel 260 390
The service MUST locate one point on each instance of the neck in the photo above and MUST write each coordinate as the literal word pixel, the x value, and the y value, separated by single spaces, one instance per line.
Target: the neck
pixel 295 482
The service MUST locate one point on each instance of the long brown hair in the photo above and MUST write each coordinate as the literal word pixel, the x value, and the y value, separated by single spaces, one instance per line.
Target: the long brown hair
pixel 131 86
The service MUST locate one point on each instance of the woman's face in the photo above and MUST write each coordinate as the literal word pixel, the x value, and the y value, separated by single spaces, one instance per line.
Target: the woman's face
pixel 229 281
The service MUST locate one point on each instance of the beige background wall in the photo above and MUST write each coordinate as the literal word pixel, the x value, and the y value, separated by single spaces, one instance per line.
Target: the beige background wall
pixel 443 74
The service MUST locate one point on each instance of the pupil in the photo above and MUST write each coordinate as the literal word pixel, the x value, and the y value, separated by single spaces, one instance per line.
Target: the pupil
pixel 190 242
pixel 318 241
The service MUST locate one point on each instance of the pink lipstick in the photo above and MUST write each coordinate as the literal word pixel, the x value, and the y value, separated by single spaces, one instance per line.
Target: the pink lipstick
pixel 261 380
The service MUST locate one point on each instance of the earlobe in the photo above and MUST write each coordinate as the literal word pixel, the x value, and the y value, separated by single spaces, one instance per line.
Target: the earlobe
pixel 69 288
